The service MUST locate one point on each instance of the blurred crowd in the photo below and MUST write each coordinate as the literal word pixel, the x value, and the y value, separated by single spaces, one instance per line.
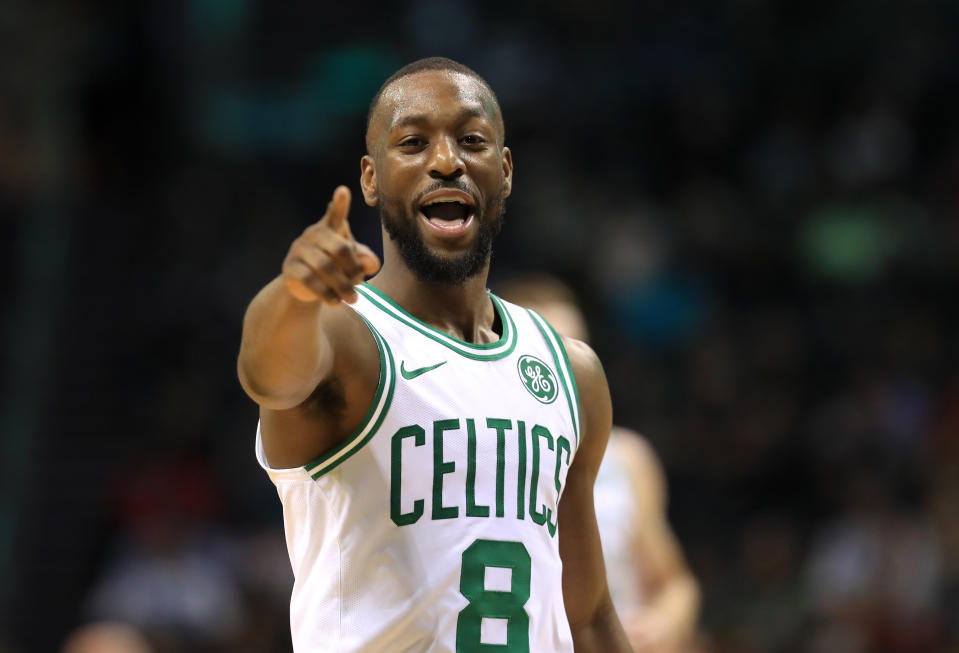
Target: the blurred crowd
pixel 758 203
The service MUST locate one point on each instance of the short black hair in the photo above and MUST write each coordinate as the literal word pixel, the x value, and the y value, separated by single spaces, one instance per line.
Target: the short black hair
pixel 430 63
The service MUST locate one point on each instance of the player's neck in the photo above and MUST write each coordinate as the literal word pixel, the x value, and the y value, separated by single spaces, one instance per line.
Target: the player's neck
pixel 464 311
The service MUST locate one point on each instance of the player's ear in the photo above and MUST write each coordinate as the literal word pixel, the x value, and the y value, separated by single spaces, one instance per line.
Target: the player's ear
pixel 507 171
pixel 368 180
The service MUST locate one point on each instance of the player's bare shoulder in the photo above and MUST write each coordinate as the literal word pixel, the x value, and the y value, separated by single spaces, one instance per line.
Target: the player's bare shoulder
pixel 595 404
pixel 583 359
pixel 587 368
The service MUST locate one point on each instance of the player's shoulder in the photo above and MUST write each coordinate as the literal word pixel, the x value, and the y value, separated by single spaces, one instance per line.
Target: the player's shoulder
pixel 596 411
pixel 591 383
pixel 584 361
pixel 346 320
pixel 358 352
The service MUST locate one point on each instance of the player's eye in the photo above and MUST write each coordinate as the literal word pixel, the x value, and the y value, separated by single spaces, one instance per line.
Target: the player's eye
pixel 473 139
pixel 412 142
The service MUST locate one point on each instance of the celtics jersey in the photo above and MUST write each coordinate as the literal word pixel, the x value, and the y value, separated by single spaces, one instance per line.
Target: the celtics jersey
pixel 433 527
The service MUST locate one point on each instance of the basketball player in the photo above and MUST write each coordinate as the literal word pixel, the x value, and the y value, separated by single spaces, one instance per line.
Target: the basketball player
pixel 654 592
pixel 434 447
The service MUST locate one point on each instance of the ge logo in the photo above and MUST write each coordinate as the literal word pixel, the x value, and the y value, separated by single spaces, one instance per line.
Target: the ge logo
pixel 538 378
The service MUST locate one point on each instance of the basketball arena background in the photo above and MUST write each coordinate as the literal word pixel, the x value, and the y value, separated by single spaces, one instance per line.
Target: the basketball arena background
pixel 757 201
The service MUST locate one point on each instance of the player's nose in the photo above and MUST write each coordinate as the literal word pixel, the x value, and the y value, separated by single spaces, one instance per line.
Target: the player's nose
pixel 445 161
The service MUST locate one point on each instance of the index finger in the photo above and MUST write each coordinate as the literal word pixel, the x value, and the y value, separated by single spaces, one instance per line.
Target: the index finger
pixel 338 210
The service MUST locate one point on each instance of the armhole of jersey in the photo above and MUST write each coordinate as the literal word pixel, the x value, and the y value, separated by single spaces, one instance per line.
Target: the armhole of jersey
pixel 563 367
pixel 374 416
pixel 276 474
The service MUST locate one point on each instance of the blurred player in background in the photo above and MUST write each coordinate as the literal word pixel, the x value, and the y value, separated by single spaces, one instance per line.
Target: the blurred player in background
pixel 653 590
pixel 106 637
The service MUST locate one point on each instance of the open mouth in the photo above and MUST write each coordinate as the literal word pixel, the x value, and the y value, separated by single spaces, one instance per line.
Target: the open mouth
pixel 448 210
pixel 446 215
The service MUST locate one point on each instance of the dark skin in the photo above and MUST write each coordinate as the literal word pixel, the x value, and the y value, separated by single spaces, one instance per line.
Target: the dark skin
pixel 313 366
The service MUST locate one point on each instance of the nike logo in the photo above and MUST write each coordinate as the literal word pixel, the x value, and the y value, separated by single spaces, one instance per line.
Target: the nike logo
pixel 412 374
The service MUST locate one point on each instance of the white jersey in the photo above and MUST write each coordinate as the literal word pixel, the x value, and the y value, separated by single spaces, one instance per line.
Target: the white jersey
pixel 433 527
pixel 618 518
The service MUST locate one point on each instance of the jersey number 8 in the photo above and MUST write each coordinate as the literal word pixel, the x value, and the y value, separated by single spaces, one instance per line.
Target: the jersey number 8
pixel 492 604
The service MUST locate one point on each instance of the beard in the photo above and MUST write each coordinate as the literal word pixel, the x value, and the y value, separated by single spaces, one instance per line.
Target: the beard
pixel 442 268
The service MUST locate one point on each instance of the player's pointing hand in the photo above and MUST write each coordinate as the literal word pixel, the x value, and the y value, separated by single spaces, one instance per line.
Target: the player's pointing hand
pixel 325 262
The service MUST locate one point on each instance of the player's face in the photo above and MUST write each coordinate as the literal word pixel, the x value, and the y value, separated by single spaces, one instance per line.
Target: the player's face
pixel 439 173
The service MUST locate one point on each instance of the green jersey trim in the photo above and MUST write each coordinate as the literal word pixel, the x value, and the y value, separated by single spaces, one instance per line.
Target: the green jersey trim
pixel 563 367
pixel 371 422
pixel 484 352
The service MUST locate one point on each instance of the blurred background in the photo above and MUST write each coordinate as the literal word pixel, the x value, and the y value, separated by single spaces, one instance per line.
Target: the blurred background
pixel 757 201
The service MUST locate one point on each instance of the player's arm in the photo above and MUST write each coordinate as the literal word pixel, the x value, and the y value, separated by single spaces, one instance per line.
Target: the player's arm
pixel 590 611
pixel 297 335
pixel 668 619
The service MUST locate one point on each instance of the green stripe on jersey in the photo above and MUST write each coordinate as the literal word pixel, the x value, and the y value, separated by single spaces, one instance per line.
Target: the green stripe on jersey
pixel 563 367
pixel 374 416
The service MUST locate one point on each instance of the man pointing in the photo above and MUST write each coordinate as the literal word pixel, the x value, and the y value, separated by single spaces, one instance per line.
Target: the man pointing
pixel 434 447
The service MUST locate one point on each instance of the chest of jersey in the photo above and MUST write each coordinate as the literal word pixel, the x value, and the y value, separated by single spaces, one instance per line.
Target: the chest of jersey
pixel 464 431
